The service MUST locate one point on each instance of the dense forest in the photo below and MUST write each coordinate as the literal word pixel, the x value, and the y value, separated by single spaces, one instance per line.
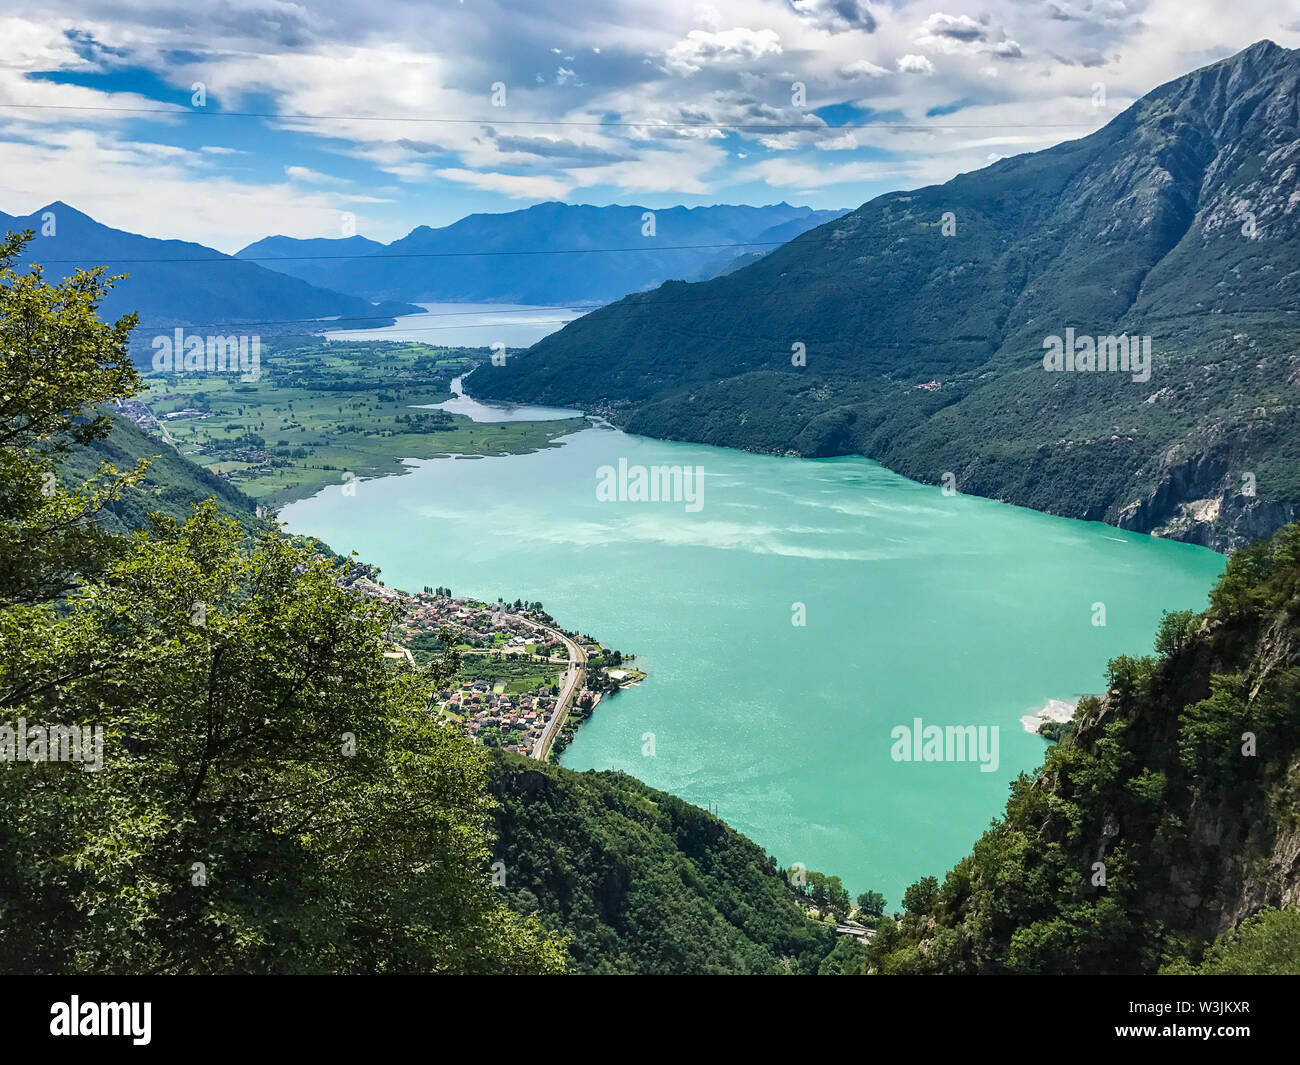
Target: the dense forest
pixel 170 484
pixel 642 881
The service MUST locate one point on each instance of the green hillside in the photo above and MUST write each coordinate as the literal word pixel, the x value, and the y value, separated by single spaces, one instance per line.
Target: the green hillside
pixel 172 485
pixel 1168 817
pixel 912 330
pixel 643 881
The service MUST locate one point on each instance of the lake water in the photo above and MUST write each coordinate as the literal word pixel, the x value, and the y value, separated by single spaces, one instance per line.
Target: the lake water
pixel 952 609
pixel 460 403
pixel 470 325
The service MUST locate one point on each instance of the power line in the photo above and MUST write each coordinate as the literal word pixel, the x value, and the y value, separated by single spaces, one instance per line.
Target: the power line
pixel 434 314
pixel 612 308
pixel 381 257
pixel 592 123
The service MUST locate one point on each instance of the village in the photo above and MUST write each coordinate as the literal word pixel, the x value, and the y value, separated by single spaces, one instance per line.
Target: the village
pixel 521 676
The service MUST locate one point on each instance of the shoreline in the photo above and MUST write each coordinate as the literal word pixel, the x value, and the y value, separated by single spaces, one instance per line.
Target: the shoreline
pixel 1056 710
pixel 614 417
pixel 537 720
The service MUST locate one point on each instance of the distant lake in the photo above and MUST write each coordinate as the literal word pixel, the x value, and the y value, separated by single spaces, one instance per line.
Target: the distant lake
pixel 470 325
pixel 954 609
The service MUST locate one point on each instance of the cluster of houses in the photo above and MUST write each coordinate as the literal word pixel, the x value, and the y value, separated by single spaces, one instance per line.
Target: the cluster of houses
pixel 136 412
pixel 483 626
pixel 514 722
pixel 511 722
pixel 498 718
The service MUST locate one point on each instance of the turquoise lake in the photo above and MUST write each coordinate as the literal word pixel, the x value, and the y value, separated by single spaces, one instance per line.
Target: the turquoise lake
pixel 953 609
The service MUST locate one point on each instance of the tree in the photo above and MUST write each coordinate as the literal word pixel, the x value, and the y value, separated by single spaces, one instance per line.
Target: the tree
pixel 1265 944
pixel 837 897
pixel 274 795
pixel 58 364
pixel 845 959
pixel 1175 630
pixel 921 896
pixel 872 903
pixel 817 888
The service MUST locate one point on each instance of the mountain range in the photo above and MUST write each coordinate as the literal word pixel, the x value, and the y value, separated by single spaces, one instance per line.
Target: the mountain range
pixel 179 283
pixel 554 254
pixel 914 329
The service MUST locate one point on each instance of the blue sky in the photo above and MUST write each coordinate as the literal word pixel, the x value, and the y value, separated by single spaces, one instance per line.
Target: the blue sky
pixel 384 116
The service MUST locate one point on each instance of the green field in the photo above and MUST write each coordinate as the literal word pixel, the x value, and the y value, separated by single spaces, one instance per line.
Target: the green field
pixel 323 410
pixel 513 677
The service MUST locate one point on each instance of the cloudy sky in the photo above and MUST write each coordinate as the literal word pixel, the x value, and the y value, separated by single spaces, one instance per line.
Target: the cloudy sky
pixel 401 113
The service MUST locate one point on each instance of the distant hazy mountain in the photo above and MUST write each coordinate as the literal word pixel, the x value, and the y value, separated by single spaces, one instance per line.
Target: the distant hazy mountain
pixel 551 253
pixel 175 282
pixel 924 314
pixel 326 248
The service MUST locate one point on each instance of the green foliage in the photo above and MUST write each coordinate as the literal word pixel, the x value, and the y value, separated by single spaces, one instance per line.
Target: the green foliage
pixel 170 483
pixel 872 903
pixel 1127 673
pixel 1176 628
pixel 1055 730
pixel 920 897
pixel 58 364
pixel 827 893
pixel 1267 944
pixel 1167 804
pixel 644 882
pixel 846 959
pixel 270 795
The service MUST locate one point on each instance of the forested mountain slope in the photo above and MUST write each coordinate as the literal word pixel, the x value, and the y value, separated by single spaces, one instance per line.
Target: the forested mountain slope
pixel 642 880
pixel 1170 815
pixel 172 485
pixel 913 329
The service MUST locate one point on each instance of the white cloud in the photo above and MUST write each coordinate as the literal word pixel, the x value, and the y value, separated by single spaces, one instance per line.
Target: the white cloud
pixel 791 173
pixel 309 176
pixel 701 48
pixel 838 16
pixel 964 35
pixel 708 16
pixel 160 190
pixel 940 30
pixel 862 68
pixel 516 186
pixel 843 143
pixel 915 64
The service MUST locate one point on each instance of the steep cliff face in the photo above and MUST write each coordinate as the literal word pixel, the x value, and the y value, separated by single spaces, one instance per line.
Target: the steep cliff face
pixel 1168 816
pixel 920 342
pixel 1230 843
pixel 1206 501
